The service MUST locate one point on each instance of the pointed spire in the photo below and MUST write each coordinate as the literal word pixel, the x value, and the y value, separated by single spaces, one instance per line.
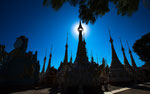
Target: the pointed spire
pixel 128 47
pixel 80 28
pixel 43 70
pixel 132 59
pixel 92 59
pixel 106 63
pixel 49 62
pixel 66 51
pixel 115 63
pixel 111 40
pixel 114 55
pixel 71 57
pixel 103 70
pixel 81 51
pixel 67 39
pixel 121 45
pixel 103 62
pixel 126 63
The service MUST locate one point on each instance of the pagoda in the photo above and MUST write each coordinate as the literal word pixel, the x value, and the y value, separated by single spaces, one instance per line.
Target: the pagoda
pixel 127 66
pixel 132 59
pixel 48 77
pixel 81 76
pixel 64 66
pixel 117 71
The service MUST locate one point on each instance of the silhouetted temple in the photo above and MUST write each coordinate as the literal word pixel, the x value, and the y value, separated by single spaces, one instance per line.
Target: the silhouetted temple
pixel 127 66
pixel 18 67
pixel 48 77
pixel 132 59
pixel 125 73
pixel 81 76
pixel 118 73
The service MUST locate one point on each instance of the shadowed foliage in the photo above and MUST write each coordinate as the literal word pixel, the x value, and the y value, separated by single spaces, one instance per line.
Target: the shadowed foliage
pixel 142 47
pixel 90 10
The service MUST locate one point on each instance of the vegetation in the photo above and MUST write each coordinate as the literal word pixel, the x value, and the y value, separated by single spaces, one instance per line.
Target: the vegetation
pixel 90 10
pixel 142 47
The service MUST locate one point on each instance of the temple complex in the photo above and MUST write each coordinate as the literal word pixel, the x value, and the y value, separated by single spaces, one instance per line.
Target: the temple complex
pixel 80 76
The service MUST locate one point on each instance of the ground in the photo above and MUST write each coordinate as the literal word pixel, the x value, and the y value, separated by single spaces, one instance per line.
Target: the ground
pixel 134 89
pixel 140 89
pixel 33 91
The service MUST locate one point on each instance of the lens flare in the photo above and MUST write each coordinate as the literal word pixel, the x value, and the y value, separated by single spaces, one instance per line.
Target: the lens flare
pixel 76 32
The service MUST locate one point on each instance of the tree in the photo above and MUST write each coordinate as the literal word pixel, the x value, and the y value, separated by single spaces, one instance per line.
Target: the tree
pixel 146 3
pixel 142 47
pixel 90 10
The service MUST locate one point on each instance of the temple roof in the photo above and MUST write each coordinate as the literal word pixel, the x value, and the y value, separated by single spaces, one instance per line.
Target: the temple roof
pixel 126 63
pixel 115 63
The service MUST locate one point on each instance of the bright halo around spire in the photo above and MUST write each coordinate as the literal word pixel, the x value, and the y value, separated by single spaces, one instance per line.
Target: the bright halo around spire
pixel 75 31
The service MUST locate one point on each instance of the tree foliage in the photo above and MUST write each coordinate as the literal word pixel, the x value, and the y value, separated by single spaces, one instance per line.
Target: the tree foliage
pixel 142 47
pixel 89 10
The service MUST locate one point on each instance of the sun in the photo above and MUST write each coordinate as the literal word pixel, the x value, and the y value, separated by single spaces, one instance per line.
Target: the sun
pixel 76 32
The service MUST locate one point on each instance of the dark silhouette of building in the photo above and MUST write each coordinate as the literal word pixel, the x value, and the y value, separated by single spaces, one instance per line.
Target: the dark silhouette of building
pixel 132 59
pixel 127 66
pixel 48 77
pixel 81 76
pixel 19 67
pixel 118 73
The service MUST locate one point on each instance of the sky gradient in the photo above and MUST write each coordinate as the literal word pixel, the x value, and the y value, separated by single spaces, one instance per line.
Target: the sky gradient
pixel 45 27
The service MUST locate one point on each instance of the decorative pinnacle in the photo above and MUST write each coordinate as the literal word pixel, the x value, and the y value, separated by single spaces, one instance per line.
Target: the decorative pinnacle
pixel 111 40
pixel 51 51
pixel 71 57
pixel 67 41
pixel 128 46
pixel 67 37
pixel 92 58
pixel 80 28
pixel 109 31
pixel 45 58
pixel 121 44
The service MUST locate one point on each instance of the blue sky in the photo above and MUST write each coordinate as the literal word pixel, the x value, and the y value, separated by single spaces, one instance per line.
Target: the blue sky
pixel 45 27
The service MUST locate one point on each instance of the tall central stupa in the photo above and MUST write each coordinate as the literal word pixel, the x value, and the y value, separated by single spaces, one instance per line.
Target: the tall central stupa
pixel 81 75
pixel 81 56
